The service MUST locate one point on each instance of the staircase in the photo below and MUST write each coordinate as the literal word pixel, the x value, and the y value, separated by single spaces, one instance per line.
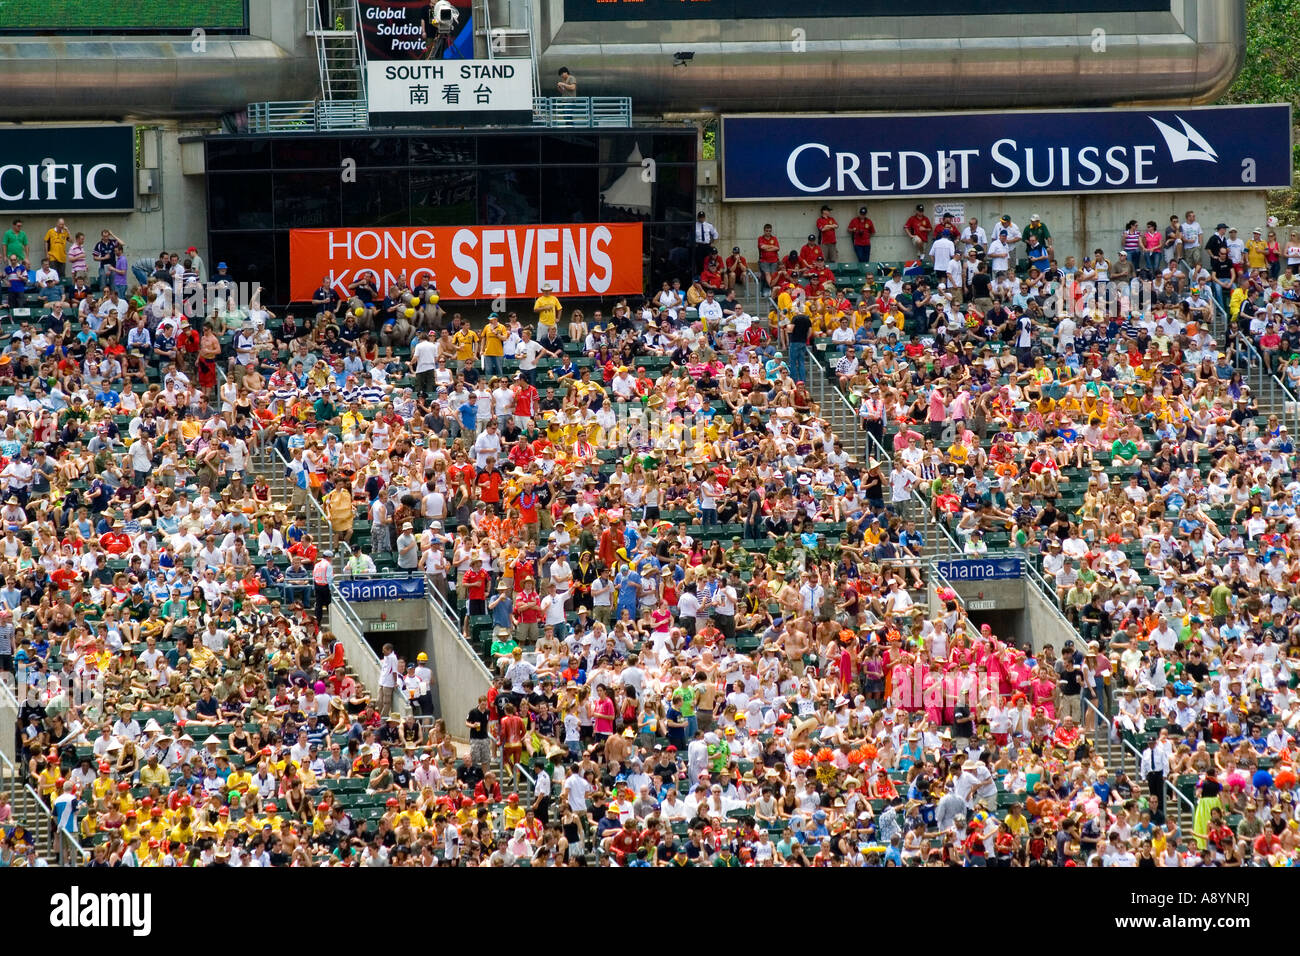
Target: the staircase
pixel 513 42
pixel 338 49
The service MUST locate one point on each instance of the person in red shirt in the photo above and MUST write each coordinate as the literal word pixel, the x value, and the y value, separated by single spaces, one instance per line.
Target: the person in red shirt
pixel 861 229
pixel 489 788
pixel 115 541
pixel 525 397
pixel 187 347
pixel 526 501
pixel 736 268
pixel 810 254
pixel 626 841
pixel 711 272
pixel 827 228
pixel 304 548
pixel 769 255
pixel 489 489
pixel 527 612
pixel 476 581
pixel 918 228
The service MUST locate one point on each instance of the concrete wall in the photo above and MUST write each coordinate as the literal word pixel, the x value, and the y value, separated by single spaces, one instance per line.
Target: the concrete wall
pixel 173 219
pixel 1045 623
pixel 461 676
pixel 361 657
pixel 8 721
pixel 1078 223
pixel 1006 595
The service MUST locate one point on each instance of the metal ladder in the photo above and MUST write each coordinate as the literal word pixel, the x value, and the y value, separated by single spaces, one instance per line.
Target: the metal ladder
pixel 333 24
pixel 508 43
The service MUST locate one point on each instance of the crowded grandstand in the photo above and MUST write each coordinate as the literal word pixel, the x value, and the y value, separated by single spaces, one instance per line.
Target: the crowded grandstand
pixel 438 464
pixel 707 624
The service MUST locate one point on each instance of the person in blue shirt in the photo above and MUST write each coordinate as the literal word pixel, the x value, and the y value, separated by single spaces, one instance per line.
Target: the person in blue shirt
pixel 467 415
pixel 628 586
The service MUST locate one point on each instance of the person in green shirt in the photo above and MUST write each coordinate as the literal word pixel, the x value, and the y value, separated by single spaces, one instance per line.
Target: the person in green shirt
pixel 15 241
pixel 1123 450
pixel 737 556
pixel 1039 229
pixel 685 697
pixel 1220 602
pixel 503 644
pixel 725 857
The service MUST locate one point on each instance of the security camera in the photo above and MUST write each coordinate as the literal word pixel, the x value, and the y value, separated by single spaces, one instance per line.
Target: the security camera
pixel 445 16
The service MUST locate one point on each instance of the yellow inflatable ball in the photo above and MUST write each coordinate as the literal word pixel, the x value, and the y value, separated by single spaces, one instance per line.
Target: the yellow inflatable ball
pixel 359 312
pixel 433 297
pixel 409 313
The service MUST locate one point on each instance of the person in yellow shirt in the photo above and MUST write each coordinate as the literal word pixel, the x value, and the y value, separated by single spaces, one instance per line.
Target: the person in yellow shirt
pixel 153 774
pixel 238 780
pixel 1256 251
pixel 48 780
pixel 249 822
pixel 183 831
pixel 319 819
pixel 89 825
pixel 353 423
pixel 56 247
pixel 156 827
pixel 547 308
pixel 131 828
pixel 494 338
pixel 514 813
pixel 465 342
pixel 104 784
pixel 154 856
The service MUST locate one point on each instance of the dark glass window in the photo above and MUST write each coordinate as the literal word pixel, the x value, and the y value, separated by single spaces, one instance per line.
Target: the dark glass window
pixel 447 198
pixel 569 149
pixel 305 152
pixel 239 201
pixel 250 256
pixel 674 194
pixel 674 148
pixel 570 194
pixel 377 198
pixel 238 153
pixel 306 200
pixel 508 197
pixel 443 151
pixel 374 150
pixel 508 150
pixel 623 195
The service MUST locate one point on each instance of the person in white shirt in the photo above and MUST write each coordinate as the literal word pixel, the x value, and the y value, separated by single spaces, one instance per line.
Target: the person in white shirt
pixel 974 234
pixel 999 254
pixel 710 310
pixel 942 251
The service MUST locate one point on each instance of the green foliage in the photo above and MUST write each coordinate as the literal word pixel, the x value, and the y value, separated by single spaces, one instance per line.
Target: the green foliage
pixel 1271 74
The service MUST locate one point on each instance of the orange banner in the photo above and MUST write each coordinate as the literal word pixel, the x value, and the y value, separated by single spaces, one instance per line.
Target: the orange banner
pixel 471 262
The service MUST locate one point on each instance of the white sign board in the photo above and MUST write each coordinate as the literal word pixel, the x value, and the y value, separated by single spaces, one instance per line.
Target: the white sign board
pixel 450 86
pixel 955 209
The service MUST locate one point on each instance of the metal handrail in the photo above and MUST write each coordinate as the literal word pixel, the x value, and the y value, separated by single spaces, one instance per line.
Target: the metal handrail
pixel 582 111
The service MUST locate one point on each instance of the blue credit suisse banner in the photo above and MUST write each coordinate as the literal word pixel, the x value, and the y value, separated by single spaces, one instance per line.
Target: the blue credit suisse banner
pixel 1005 153
pixel 981 569
pixel 381 589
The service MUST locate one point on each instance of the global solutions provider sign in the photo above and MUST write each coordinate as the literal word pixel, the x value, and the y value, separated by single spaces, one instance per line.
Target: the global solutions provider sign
pixel 67 168
pixel 979 154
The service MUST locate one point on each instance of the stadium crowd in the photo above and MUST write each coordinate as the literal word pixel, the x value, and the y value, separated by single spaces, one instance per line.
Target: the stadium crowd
pixel 708 625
